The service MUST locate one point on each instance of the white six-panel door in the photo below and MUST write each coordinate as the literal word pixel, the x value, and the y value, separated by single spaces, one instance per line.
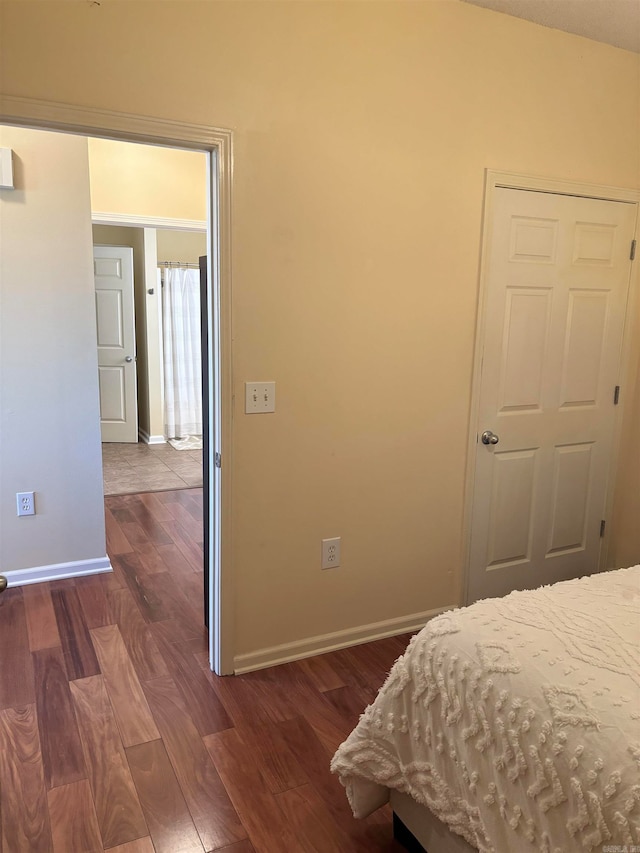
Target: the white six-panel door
pixel 115 323
pixel 557 284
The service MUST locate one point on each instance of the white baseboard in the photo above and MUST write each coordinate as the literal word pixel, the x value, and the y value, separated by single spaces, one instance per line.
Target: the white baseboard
pixel 151 439
pixel 319 645
pixel 58 571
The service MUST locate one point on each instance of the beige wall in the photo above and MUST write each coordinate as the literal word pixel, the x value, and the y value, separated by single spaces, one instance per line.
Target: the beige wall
pixel 362 132
pixel 143 180
pixel 49 412
pixel 185 246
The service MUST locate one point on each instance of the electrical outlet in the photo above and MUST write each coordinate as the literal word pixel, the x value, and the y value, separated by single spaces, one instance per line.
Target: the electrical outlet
pixel 25 503
pixel 260 397
pixel 331 553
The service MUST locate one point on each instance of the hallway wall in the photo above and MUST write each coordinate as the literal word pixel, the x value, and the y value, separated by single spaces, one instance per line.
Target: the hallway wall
pixel 49 409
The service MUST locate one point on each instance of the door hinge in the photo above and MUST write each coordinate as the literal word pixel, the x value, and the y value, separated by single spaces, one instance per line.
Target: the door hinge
pixel 632 256
pixel 218 461
pixel 616 395
pixel 603 524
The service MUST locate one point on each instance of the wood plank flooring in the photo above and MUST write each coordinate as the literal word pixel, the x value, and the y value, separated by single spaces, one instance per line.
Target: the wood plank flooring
pixel 114 734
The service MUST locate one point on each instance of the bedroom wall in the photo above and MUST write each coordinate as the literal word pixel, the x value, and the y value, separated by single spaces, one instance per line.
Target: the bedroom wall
pixel 362 132
pixel 49 410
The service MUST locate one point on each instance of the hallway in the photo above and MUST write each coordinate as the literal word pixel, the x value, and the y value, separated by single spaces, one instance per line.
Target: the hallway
pixel 134 468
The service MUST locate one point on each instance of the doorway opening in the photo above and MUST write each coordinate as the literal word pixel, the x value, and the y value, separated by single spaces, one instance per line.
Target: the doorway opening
pixel 150 357
pixel 149 220
pixel 216 145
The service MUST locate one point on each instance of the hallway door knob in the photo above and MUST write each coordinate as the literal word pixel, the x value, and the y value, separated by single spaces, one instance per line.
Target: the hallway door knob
pixel 128 358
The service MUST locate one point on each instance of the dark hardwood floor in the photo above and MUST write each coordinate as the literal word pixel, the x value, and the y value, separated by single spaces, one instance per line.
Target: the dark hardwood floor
pixel 114 734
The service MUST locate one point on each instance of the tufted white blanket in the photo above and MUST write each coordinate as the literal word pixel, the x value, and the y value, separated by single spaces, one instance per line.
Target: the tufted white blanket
pixel 515 720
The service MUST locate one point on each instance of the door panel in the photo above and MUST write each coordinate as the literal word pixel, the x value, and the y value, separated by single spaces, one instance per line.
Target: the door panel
pixel 513 482
pixel 583 356
pixel 525 336
pixel 593 244
pixel 533 240
pixel 115 325
pixel 557 281
pixel 111 382
pixel 571 476
pixel 109 318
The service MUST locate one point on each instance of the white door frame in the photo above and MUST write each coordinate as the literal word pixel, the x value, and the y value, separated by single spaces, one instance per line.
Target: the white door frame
pixel 85 121
pixel 509 180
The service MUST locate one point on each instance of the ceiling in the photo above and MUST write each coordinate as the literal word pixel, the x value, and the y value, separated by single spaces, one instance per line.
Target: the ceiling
pixel 615 22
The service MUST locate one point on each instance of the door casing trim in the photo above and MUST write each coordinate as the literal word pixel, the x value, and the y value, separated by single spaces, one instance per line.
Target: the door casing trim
pixel 511 180
pixel 218 143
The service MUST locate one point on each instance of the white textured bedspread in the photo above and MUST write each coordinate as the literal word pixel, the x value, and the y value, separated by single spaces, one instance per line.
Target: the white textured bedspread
pixel 515 720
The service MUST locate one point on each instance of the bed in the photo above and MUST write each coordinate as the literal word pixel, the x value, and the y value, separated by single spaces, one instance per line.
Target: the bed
pixel 512 725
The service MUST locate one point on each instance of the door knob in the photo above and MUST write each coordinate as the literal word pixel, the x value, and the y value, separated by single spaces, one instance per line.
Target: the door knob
pixel 489 437
pixel 128 358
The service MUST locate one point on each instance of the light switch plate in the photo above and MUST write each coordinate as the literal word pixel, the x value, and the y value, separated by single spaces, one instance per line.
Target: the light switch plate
pixel 260 397
pixel 6 169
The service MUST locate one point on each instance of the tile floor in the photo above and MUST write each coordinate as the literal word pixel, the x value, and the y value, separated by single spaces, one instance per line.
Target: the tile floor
pixel 130 468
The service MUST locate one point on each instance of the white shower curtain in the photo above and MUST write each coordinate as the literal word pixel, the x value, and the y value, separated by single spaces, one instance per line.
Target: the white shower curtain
pixel 182 348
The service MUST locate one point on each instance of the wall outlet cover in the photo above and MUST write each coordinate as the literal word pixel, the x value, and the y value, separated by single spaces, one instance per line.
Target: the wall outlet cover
pixel 25 503
pixel 331 553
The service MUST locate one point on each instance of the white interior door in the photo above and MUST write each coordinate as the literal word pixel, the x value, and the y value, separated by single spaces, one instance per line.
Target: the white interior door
pixel 115 322
pixel 556 293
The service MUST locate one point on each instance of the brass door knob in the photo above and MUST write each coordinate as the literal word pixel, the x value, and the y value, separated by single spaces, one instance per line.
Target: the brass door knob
pixel 3 583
